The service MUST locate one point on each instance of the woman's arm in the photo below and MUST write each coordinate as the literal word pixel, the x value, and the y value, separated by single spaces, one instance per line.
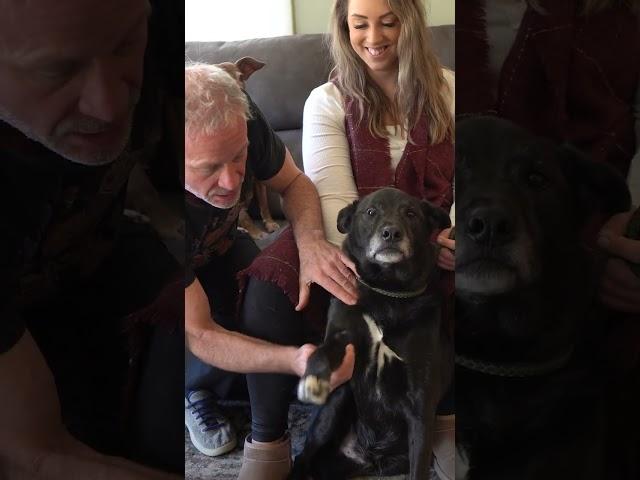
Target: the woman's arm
pixel 325 152
pixel 634 171
pixel 620 286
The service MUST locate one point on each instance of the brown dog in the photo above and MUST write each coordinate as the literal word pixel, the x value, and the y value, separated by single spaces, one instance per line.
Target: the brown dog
pixel 241 70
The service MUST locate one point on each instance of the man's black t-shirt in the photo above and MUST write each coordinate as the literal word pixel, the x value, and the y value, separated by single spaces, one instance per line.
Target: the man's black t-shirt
pixel 58 221
pixel 210 231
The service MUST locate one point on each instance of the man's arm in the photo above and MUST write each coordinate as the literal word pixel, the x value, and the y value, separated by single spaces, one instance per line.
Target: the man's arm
pixel 235 352
pixel 320 262
pixel 225 349
pixel 34 443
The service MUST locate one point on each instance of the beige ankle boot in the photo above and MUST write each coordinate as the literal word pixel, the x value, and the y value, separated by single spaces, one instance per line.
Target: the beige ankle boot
pixel 269 461
pixel 444 447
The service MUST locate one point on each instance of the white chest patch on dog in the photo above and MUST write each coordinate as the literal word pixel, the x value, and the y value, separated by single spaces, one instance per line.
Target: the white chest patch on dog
pixel 380 352
pixel 351 449
pixel 462 463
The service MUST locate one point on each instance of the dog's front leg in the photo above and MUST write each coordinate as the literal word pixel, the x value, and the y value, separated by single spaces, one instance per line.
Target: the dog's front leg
pixel 314 384
pixel 420 430
pixel 263 203
pixel 331 421
pixel 246 222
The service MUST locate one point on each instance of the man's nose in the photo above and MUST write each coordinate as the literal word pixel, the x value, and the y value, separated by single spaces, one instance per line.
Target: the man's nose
pixel 105 95
pixel 230 177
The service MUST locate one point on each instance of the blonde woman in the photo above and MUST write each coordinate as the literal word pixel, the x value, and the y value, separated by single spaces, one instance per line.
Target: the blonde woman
pixel 388 91
pixel 384 119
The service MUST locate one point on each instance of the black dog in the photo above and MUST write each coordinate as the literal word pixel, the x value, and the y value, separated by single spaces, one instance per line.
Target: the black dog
pixel 381 422
pixel 528 402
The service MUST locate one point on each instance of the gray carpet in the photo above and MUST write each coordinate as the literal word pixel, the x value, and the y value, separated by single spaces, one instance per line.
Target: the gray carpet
pixel 226 467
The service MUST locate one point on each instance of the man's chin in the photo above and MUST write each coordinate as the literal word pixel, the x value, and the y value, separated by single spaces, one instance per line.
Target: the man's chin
pixel 89 158
pixel 224 202
pixel 93 149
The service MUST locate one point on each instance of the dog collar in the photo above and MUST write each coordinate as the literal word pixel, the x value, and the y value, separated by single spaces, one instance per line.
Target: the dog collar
pixel 394 294
pixel 514 369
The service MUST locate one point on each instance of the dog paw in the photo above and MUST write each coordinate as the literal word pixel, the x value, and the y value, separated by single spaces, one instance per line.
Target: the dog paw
pixel 271 226
pixel 312 389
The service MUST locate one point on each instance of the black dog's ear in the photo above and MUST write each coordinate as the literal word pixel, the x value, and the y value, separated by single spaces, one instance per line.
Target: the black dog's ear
pixel 435 215
pixel 597 187
pixel 345 216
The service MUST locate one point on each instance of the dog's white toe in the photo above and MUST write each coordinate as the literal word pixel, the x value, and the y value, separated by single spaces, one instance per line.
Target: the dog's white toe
pixel 271 226
pixel 312 389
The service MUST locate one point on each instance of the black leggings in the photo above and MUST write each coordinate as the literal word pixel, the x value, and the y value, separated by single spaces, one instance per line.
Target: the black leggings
pixel 268 314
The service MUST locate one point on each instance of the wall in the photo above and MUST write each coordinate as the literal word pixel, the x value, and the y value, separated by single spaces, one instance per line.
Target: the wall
pixel 312 16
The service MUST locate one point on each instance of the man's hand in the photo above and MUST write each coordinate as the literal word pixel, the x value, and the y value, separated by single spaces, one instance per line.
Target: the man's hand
pixel 329 267
pixel 447 255
pixel 619 286
pixel 341 375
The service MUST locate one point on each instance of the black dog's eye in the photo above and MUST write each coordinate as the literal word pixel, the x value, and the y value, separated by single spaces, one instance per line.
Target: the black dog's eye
pixel 371 212
pixel 411 213
pixel 537 180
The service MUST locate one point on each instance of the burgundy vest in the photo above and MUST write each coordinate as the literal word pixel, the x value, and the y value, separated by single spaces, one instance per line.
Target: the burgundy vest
pixel 568 77
pixel 425 171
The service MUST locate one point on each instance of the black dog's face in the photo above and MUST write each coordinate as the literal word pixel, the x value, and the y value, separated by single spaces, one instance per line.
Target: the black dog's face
pixel 521 203
pixel 388 232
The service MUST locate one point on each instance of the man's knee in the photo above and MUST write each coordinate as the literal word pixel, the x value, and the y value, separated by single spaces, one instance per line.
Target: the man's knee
pixel 268 313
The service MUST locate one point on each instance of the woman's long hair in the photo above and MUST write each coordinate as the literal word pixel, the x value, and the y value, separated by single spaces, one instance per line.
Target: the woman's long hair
pixel 422 87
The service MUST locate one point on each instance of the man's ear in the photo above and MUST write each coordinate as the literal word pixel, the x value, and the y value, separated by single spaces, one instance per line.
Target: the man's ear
pixel 436 216
pixel 345 216
pixel 248 65
pixel 596 187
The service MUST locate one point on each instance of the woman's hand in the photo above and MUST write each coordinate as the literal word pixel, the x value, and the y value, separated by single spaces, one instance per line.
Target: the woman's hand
pixel 447 254
pixel 619 287
pixel 329 267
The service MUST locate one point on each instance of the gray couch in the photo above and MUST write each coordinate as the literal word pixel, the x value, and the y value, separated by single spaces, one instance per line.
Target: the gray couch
pixel 295 65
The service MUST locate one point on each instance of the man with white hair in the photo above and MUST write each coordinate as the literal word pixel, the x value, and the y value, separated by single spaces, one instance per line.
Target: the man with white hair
pixel 227 142
pixel 71 267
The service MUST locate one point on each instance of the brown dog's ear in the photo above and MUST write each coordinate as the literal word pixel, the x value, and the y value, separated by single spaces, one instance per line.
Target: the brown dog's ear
pixel 248 65
pixel 597 187
pixel 435 215
pixel 345 216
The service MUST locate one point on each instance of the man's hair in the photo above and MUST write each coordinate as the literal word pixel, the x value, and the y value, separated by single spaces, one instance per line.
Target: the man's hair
pixel 422 87
pixel 213 100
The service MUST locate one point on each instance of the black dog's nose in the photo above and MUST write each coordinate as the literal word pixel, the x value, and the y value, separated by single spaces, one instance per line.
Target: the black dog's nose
pixel 391 233
pixel 490 226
